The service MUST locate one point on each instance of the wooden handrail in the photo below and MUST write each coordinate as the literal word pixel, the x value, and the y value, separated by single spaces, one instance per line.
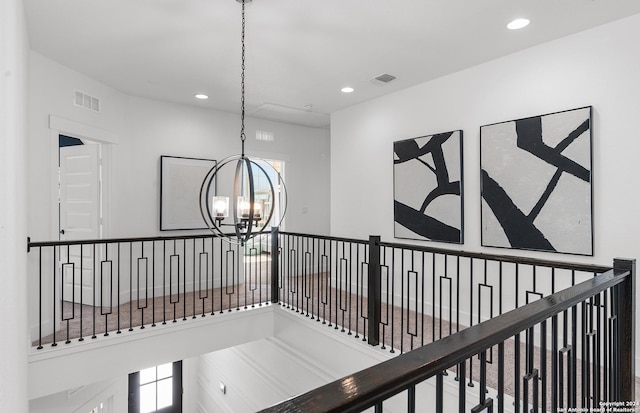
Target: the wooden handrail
pixel 596 269
pixel 31 244
pixel 368 387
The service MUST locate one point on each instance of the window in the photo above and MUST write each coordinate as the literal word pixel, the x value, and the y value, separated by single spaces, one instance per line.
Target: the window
pixel 98 409
pixel 262 189
pixel 156 389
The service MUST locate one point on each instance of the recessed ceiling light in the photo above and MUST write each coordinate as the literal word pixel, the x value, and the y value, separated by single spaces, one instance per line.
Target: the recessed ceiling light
pixel 201 96
pixel 347 89
pixel 518 24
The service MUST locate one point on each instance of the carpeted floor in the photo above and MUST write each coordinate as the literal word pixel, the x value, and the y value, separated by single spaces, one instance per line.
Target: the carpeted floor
pixel 82 321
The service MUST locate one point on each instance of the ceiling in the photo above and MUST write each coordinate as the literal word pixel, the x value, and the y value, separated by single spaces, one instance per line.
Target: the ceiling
pixel 299 53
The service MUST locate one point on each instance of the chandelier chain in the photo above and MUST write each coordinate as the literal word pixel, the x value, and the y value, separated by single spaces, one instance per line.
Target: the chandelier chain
pixel 242 102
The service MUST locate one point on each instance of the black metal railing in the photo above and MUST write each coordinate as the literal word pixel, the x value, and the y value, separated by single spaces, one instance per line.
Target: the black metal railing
pixel 97 287
pixel 400 296
pixel 325 279
pixel 571 349
pixel 414 294
pixel 405 296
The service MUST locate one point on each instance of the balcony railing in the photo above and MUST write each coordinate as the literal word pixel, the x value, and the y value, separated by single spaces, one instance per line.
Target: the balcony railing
pixel 577 350
pixel 401 297
pixel 100 287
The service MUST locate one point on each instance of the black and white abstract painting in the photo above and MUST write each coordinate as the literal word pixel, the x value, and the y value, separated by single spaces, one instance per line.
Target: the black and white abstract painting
pixel 427 180
pixel 536 183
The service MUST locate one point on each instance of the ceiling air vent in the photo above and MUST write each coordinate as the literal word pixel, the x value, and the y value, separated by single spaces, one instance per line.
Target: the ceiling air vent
pixel 83 100
pixel 382 79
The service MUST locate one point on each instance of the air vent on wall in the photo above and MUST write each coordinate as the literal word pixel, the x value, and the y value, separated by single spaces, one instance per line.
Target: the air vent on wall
pixel 83 100
pixel 264 136
pixel 382 79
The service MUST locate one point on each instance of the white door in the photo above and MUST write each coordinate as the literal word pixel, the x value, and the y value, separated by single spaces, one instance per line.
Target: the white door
pixel 79 220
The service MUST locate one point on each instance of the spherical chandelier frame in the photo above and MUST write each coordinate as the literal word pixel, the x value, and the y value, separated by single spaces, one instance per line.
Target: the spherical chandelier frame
pixel 246 221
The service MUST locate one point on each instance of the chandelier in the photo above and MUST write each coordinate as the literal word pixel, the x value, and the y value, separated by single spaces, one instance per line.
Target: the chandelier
pixel 259 196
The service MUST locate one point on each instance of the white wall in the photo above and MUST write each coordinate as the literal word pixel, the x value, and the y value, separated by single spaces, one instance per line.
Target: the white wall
pixel 598 67
pixel 68 366
pixel 136 132
pixel 167 129
pixel 145 129
pixel 14 49
pixel 111 394
pixel 259 374
pixel 51 92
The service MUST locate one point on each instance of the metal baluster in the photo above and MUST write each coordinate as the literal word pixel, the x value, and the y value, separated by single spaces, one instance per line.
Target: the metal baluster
pixel 193 289
pixel 130 286
pixel 350 283
pixel 458 294
pixel 164 281
pixel 55 271
pixel 516 374
pixel 554 364
pixel 485 404
pixel 40 296
pixel 543 363
pixel 341 298
pixel 206 276
pixel 462 390
pixel 423 298
pixel 433 297
pixel 446 275
pixel 330 280
pixel 500 287
pixel 606 348
pixel 470 384
pixel 93 270
pixel 81 290
pixel 153 284
pixel 184 281
pixel 597 352
pixel 223 276
pixel 306 277
pixel 106 315
pixel 118 301
pixel 411 399
pixel 326 274
pixel 213 279
pixel 402 251
pixel 574 358
pixel 439 391
pixel 359 275
pixel 500 395
pixel 584 391
pixel 391 280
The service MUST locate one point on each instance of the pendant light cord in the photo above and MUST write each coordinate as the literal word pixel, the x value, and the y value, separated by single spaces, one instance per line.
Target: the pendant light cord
pixel 243 137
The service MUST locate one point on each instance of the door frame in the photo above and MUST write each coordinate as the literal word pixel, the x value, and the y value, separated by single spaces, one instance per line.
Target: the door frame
pixel 60 126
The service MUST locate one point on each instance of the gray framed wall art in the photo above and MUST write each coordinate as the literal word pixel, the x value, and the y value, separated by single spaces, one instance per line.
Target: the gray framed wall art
pixel 180 182
pixel 427 187
pixel 536 183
